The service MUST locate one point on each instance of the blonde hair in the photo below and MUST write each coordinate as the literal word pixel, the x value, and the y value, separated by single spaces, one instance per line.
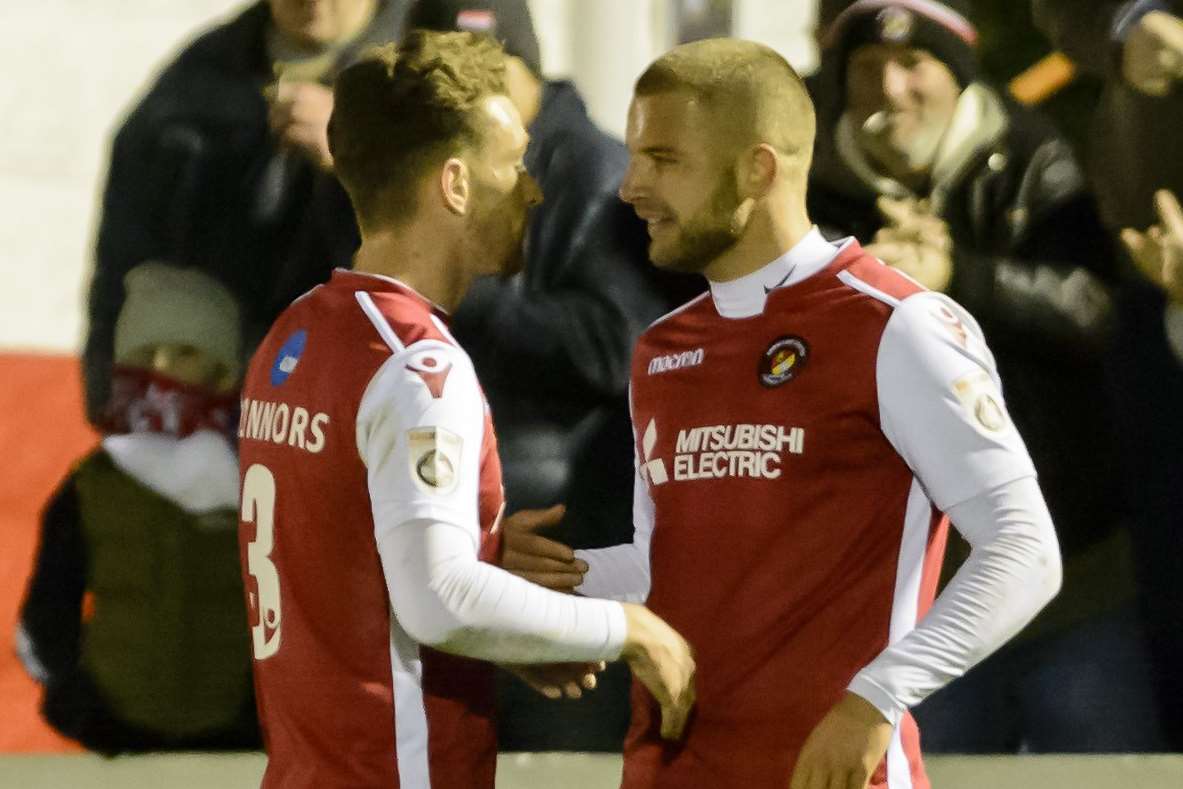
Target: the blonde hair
pixel 752 92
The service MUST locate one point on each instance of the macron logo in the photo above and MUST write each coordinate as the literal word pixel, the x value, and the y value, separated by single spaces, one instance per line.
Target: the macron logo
pixel 652 470
pixel 675 361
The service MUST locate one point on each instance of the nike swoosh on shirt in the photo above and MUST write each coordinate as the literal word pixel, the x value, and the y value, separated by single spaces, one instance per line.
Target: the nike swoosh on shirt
pixel 768 290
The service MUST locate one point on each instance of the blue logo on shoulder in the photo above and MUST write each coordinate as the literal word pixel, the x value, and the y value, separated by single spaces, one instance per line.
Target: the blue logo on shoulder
pixel 288 357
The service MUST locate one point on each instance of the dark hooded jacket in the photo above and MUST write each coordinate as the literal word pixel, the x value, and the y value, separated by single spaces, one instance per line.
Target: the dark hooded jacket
pixel 196 179
pixel 1030 263
pixel 552 346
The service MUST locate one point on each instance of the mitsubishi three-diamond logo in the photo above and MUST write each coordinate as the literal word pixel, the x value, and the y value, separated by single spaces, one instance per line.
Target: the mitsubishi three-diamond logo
pixel 652 470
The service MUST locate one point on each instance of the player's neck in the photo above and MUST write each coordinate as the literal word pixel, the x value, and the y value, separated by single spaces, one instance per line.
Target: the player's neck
pixel 417 261
pixel 766 237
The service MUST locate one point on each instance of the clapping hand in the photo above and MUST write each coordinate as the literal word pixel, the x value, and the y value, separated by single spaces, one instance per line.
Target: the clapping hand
pixel 1158 252
pixel 1152 56
pixel 299 118
pixel 915 241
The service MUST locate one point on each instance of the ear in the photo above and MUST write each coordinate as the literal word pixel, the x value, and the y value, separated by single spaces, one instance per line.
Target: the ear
pixel 758 169
pixel 455 186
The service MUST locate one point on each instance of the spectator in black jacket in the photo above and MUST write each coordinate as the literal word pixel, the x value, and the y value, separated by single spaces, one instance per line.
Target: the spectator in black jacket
pixel 1136 48
pixel 224 166
pixel 552 347
pixel 973 195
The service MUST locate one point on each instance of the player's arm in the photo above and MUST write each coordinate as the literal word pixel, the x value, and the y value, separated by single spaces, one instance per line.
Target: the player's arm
pixel 621 572
pixel 422 453
pixel 941 407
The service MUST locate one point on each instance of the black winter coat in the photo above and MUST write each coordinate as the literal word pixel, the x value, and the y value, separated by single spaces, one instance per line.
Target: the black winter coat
pixel 196 179
pixel 1025 233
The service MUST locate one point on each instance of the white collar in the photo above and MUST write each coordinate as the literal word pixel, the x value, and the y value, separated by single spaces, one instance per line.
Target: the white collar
pixel 745 296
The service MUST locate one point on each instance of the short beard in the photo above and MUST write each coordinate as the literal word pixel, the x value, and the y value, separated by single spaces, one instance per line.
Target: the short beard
pixel 707 235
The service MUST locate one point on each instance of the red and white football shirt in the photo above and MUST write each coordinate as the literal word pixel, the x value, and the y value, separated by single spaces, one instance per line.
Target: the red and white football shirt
pixel 359 412
pixel 799 435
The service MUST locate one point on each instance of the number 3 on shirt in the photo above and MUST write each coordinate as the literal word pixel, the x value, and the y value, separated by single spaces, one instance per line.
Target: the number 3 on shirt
pixel 258 507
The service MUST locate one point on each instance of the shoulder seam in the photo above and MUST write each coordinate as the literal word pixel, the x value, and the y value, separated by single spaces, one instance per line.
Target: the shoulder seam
pixel 852 281
pixel 685 306
pixel 384 329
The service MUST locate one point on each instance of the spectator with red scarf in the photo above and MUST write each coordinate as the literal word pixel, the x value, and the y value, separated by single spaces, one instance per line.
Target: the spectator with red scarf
pixel 133 619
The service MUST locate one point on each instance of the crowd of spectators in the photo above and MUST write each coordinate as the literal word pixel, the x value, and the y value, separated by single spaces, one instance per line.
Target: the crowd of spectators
pixel 221 207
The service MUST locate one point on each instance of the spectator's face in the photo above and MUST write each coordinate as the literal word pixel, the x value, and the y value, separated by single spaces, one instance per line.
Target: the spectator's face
pixel 679 181
pixel 184 363
pixel 503 192
pixel 901 101
pixel 318 23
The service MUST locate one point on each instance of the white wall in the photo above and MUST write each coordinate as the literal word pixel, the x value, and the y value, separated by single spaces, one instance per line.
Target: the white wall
pixel 72 68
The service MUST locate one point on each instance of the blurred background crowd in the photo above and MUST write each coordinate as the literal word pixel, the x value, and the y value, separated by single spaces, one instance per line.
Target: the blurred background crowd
pixel 1021 156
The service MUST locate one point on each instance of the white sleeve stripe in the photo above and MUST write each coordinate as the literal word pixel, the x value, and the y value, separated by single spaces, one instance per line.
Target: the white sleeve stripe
pixel 854 282
pixel 684 307
pixel 899 768
pixel 384 330
pixel 910 564
pixel 410 711
pixel 443 327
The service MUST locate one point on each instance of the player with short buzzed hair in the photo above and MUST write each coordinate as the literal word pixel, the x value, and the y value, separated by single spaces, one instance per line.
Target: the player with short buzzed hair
pixel 798 465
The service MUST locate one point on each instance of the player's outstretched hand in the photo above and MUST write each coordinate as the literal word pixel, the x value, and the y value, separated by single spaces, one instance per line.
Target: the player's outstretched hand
pixel 538 559
pixel 844 748
pixel 664 662
pixel 556 680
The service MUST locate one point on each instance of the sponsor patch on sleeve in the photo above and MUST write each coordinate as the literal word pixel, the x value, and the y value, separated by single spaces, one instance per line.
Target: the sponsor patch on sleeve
pixel 982 401
pixel 434 457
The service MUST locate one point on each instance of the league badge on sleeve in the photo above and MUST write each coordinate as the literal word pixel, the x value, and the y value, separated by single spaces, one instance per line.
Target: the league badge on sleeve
pixel 288 357
pixel 783 361
pixel 982 401
pixel 434 457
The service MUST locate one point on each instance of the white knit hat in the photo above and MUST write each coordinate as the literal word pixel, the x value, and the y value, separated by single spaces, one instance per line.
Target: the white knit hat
pixel 169 304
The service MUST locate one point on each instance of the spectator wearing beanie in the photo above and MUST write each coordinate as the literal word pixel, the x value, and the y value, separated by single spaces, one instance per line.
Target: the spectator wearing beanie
pixel 552 348
pixel 942 177
pixel 133 619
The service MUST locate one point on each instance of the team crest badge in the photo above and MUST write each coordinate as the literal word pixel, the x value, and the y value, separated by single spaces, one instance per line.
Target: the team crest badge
pixel 783 361
pixel 895 25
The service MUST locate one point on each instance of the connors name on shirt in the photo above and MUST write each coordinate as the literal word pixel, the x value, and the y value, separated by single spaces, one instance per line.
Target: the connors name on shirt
pixel 280 423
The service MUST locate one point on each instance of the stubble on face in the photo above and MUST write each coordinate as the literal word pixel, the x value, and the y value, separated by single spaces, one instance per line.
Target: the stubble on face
pixel 501 191
pixel 705 236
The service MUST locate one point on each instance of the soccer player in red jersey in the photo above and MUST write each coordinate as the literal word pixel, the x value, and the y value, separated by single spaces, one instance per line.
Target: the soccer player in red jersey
pixel 371 490
pixel 804 433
